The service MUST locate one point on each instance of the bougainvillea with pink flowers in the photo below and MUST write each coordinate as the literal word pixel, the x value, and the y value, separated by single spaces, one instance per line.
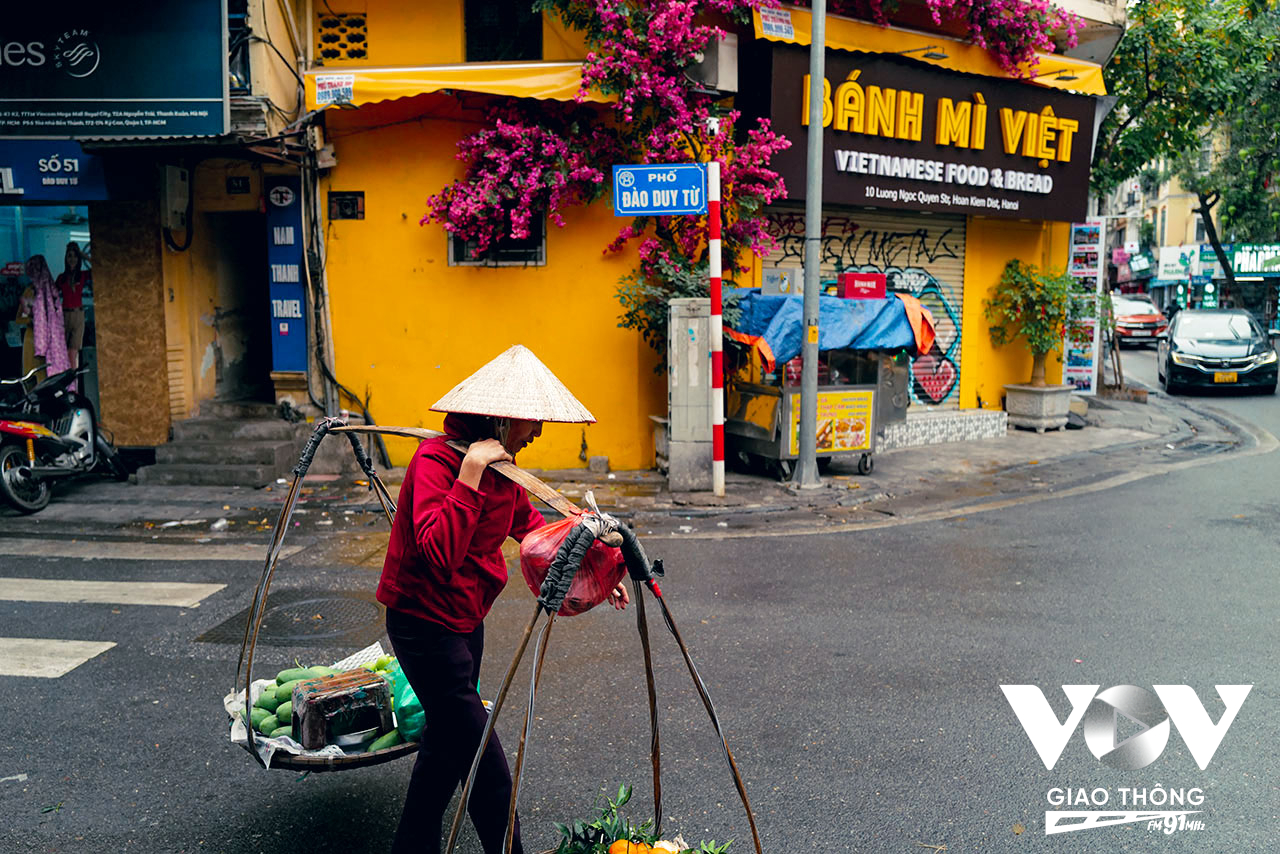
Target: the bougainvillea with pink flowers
pixel 1013 31
pixel 538 158
pixel 532 159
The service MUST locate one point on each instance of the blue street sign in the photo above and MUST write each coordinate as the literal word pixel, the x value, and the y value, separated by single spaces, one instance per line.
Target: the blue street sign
pixel 660 189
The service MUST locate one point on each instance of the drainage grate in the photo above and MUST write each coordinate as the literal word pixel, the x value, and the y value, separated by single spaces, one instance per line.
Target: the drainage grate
pixel 308 618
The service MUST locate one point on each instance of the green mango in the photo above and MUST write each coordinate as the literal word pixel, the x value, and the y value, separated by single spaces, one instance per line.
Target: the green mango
pixel 256 716
pixel 284 712
pixel 287 729
pixel 285 692
pixel 267 699
pixel 390 739
pixel 295 673
pixel 268 725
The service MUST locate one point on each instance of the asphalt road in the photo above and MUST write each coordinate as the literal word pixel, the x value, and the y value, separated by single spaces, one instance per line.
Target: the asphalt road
pixel 857 676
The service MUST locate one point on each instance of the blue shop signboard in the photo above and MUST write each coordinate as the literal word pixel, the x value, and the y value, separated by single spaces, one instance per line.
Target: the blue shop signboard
pixel 146 68
pixel 284 262
pixel 49 171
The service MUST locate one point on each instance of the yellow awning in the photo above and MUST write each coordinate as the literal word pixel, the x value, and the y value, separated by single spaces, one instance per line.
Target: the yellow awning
pixel 1053 71
pixel 556 81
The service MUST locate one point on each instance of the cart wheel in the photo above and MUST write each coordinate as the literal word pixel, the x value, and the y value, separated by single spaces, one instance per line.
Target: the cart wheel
pixel 865 464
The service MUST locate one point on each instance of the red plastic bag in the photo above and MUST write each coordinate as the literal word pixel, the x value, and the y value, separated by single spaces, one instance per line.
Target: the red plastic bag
pixel 602 568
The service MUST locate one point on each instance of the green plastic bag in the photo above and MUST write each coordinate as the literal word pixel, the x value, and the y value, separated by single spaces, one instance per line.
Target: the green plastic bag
pixel 410 718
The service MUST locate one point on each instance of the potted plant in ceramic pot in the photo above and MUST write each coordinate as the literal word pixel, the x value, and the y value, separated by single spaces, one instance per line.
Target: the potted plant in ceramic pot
pixel 1037 307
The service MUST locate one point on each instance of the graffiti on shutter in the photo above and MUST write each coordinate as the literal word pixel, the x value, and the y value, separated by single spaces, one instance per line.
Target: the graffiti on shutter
pixel 919 255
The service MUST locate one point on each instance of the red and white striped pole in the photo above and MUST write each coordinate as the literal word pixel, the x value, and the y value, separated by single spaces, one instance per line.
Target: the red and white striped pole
pixel 717 329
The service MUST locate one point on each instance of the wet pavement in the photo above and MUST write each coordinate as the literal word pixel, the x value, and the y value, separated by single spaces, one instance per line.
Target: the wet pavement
pixel 857 675
pixel 1122 439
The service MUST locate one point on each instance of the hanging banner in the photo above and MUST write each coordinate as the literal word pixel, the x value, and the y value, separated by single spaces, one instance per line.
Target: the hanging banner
pixel 1081 344
pixel 284 262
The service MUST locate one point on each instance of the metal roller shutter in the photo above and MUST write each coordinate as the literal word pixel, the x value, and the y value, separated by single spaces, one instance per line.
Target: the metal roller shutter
pixel 920 254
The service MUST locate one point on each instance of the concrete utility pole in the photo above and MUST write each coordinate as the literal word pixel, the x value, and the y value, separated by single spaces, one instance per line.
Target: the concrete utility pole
pixel 806 473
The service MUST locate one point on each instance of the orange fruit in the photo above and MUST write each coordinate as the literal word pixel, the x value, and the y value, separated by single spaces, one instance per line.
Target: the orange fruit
pixel 624 846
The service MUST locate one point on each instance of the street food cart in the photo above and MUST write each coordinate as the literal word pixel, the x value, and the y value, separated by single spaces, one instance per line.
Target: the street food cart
pixel 863 376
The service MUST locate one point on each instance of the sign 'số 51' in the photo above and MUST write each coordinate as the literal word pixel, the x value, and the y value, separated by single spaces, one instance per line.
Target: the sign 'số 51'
pixel 902 135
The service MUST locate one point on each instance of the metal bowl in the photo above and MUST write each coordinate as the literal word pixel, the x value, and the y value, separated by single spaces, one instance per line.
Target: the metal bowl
pixel 354 739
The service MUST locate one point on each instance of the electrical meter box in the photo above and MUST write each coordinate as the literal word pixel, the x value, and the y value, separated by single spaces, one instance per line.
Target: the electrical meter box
pixel 689 395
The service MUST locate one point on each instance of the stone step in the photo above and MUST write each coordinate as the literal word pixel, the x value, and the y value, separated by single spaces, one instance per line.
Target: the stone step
pixel 195 474
pixel 280 455
pixel 237 409
pixel 216 429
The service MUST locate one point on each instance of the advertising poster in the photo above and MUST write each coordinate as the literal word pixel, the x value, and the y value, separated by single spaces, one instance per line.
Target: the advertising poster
pixel 1081 343
pixel 148 68
pixel 844 422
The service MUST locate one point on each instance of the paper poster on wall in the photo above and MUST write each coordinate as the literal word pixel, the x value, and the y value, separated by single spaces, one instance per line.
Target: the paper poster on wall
pixel 1081 343
pixel 1079 364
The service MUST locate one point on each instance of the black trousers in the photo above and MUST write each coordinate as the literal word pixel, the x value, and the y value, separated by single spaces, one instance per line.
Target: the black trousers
pixel 443 667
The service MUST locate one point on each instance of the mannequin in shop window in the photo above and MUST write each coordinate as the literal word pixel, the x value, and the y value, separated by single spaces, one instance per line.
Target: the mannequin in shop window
pixel 72 284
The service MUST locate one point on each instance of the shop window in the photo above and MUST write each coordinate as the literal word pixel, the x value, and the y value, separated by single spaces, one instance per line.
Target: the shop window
pixel 502 30
pixel 238 46
pixel 507 252
pixel 1200 232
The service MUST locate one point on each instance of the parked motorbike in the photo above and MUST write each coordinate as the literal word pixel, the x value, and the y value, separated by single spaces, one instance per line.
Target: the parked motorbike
pixel 49 432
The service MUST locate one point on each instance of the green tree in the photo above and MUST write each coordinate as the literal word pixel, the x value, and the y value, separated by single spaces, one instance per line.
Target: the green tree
pixel 1237 162
pixel 1181 66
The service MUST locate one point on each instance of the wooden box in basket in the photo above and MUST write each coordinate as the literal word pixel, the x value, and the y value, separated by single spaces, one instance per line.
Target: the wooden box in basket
pixel 351 702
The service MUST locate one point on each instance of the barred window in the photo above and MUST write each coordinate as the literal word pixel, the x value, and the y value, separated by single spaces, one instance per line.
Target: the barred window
pixel 505 252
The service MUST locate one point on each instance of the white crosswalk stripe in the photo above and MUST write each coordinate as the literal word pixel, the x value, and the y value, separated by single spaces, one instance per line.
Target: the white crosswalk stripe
pixel 50 658
pixel 46 658
pixel 179 594
pixel 135 550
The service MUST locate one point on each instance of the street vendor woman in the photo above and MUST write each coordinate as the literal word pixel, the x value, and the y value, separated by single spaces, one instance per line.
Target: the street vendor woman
pixel 443 571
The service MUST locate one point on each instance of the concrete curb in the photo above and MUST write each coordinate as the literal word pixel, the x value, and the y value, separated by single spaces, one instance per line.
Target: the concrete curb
pixel 774 511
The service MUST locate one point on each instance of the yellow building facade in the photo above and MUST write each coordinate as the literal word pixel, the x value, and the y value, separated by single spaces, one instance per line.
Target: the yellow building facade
pixel 408 321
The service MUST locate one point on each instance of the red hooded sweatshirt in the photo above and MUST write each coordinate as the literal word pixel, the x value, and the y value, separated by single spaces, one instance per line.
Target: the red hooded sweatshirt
pixel 444 562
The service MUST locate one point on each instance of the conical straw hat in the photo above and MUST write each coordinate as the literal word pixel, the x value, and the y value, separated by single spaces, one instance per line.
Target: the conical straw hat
pixel 515 385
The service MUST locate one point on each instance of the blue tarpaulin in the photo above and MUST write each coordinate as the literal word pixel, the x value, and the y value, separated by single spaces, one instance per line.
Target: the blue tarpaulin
pixel 843 324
